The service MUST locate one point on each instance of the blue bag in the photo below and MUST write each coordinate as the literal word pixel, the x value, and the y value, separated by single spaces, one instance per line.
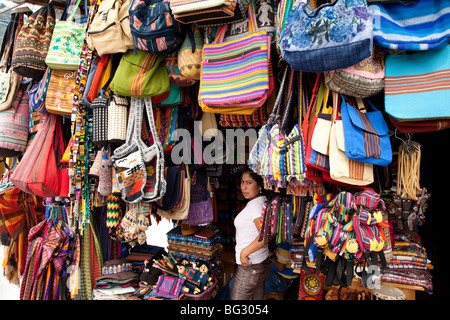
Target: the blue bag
pixel 366 135
pixel 153 27
pixel 332 36
pixel 417 85
pixel 417 26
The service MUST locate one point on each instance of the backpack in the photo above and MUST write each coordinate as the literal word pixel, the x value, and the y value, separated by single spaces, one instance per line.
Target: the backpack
pixel 153 27
pixel 335 240
pixel 368 225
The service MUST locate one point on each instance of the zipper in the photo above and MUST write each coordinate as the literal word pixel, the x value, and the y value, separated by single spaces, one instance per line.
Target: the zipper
pixel 233 56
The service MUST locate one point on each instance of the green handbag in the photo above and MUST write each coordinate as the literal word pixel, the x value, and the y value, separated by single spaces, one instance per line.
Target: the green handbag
pixel 66 44
pixel 141 75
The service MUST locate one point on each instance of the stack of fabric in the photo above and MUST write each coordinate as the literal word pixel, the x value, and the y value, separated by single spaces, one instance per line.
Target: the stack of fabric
pixel 117 281
pixel 409 265
pixel 194 247
pixel 139 253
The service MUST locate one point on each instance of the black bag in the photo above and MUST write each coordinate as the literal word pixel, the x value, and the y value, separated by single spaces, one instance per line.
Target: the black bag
pixel 153 27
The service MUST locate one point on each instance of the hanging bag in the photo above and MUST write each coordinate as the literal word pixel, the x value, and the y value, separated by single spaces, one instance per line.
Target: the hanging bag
pixel 31 155
pixel 67 41
pixel 38 93
pixel 45 176
pixel 413 80
pixel 239 79
pixel 364 79
pixel 366 134
pixel 198 11
pixel 128 162
pixel 415 26
pixel 153 154
pixel 141 75
pixel 60 92
pixel 117 119
pixel 343 169
pixel 181 211
pixel 33 42
pixel 257 153
pixel 14 126
pixel 190 54
pixel 153 27
pixel 100 118
pixel 329 37
pixel 218 13
pixel 258 118
pixel 109 31
pixel 316 163
pixel 319 149
pixel 9 80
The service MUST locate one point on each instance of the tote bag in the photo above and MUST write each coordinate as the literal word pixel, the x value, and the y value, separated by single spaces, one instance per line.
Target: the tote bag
pixel 418 26
pixel 33 42
pixel 413 80
pixel 332 36
pixel 38 93
pixel 60 91
pixel 141 75
pixel 66 44
pixel 45 176
pixel 128 162
pixel 20 175
pixel 343 169
pixel 14 126
pixel 236 73
pixel 366 134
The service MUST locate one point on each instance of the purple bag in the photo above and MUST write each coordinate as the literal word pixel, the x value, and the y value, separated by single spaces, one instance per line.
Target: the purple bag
pixel 168 287
pixel 200 213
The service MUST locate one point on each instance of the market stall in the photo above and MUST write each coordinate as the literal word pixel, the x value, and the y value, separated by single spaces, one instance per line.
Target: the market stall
pixel 117 113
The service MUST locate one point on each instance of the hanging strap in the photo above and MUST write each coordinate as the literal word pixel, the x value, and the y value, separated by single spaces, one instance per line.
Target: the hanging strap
pixel 276 109
pixel 252 24
pixel 289 93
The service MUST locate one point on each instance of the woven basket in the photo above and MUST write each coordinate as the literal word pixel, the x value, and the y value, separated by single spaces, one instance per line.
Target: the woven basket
pixel 353 85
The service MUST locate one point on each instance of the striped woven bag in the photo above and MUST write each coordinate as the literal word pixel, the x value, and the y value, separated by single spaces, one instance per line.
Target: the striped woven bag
pixel 235 74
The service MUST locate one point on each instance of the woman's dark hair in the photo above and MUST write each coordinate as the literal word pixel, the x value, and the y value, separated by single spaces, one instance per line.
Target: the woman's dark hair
pixel 259 180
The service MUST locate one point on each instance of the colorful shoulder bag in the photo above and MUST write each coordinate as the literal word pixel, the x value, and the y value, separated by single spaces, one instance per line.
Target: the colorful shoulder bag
pixel 67 41
pixel 235 74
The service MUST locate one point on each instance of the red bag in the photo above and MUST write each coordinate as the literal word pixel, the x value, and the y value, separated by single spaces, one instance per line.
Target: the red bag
pixel 312 173
pixel 20 175
pixel 420 126
pixel 45 177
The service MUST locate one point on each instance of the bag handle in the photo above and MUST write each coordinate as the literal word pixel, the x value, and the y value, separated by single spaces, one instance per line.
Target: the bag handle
pixel 289 94
pixel 252 24
pixel 276 109
pixel 72 14
pixel 315 93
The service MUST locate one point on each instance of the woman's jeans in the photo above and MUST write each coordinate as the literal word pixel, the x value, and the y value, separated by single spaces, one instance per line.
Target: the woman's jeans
pixel 249 281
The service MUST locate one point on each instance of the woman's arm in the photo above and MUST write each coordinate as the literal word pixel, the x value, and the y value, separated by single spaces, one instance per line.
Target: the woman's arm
pixel 252 247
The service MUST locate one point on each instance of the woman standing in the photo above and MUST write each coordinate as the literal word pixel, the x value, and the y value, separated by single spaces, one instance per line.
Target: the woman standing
pixel 251 254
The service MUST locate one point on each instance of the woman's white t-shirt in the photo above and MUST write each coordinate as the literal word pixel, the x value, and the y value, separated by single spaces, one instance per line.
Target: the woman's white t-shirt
pixel 246 230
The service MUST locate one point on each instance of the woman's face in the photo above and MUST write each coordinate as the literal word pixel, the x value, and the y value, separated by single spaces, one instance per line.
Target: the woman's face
pixel 249 187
